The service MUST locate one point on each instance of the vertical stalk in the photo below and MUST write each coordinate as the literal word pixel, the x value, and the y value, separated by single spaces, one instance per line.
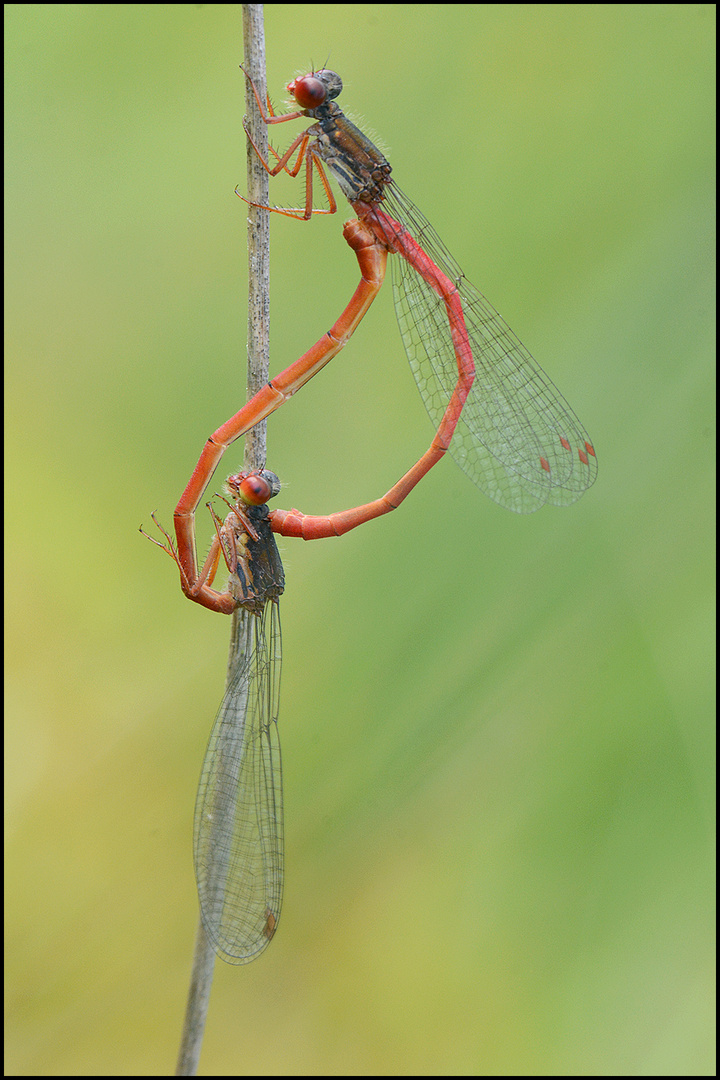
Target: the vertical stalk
pixel 258 373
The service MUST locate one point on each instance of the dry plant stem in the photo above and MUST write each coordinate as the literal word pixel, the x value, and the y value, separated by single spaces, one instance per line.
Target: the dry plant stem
pixel 197 1005
pixel 258 183
pixel 258 341
pixel 258 358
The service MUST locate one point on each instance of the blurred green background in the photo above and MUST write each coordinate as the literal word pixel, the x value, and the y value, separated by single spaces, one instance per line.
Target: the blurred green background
pixel 497 731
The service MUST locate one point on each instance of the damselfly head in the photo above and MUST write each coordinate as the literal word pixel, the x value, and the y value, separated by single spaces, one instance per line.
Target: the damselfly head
pixel 313 90
pixel 254 488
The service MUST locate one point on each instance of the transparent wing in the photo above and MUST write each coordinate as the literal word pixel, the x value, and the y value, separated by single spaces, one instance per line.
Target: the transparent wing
pixel 517 438
pixel 238 813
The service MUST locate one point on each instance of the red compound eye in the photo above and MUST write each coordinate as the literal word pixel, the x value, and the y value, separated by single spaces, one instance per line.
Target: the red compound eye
pixel 254 489
pixel 309 91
